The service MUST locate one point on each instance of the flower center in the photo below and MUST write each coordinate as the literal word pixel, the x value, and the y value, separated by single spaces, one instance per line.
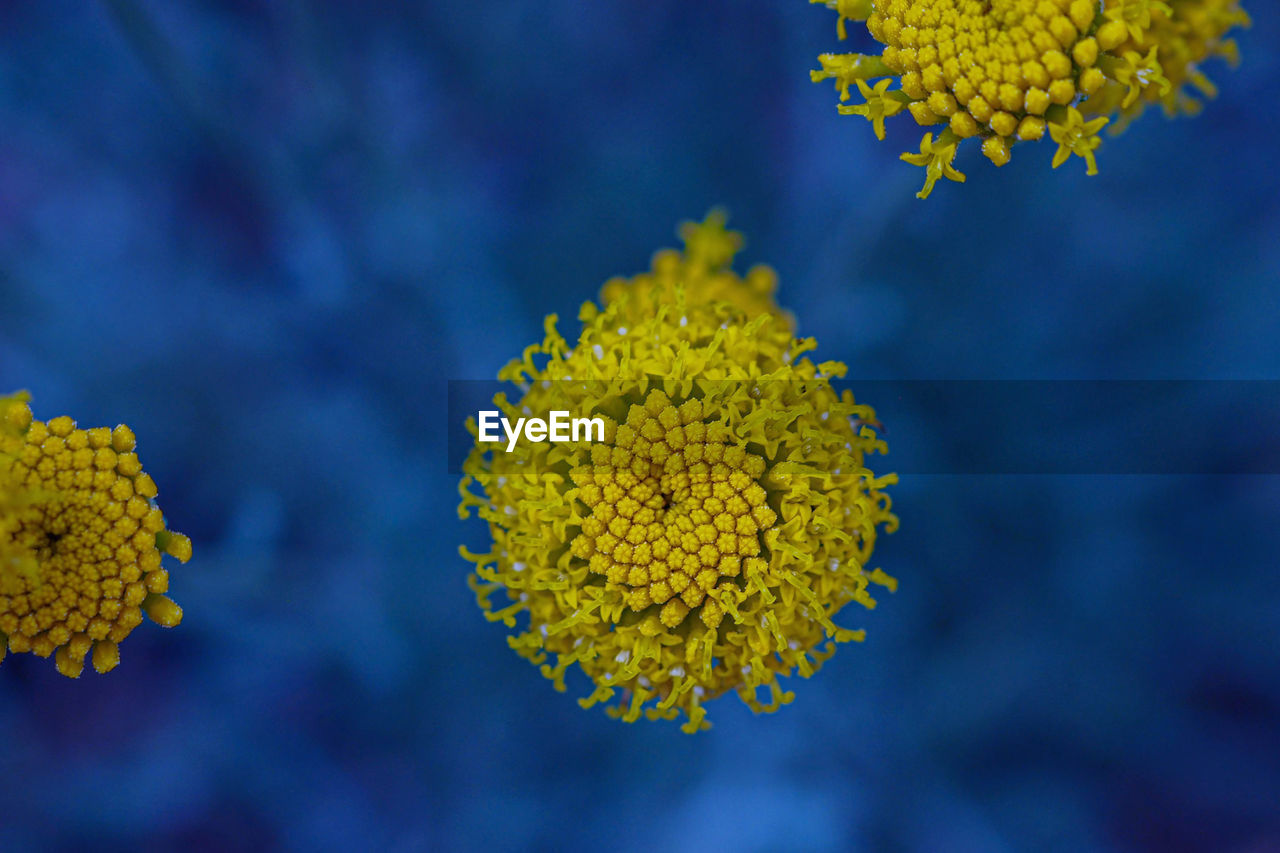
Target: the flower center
pixel 676 511
pixel 95 540
pixel 989 64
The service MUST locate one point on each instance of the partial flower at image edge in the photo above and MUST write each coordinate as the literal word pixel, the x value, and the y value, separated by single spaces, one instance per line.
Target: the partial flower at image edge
pixel 81 541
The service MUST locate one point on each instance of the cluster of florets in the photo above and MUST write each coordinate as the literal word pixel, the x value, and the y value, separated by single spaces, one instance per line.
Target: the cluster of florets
pixel 676 511
pixel 710 541
pixel 1005 71
pixel 80 541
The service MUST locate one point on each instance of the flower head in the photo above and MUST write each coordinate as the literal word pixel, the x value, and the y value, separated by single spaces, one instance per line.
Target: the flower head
pixel 1005 71
pixel 80 541
pixel 709 542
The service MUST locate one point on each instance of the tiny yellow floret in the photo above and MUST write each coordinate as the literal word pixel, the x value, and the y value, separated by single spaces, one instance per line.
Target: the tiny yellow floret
pixel 709 543
pixel 1003 70
pixel 81 541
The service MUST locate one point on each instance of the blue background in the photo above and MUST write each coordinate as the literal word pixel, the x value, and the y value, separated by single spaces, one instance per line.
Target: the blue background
pixel 266 234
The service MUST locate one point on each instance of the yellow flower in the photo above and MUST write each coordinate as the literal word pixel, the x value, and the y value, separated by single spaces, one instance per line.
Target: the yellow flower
pixel 879 105
pixel 709 542
pixel 1005 71
pixel 80 541
pixel 936 158
pixel 1140 73
pixel 1079 137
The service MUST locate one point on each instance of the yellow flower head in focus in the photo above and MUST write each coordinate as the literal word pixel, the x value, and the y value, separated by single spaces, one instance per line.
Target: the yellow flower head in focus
pixel 709 543
pixel 1005 71
pixel 80 541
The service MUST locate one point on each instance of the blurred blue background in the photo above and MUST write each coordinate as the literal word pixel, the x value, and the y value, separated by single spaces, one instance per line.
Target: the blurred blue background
pixel 266 234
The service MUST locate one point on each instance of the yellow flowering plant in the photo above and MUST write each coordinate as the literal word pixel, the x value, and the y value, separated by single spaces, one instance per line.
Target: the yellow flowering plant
pixel 710 541
pixel 1004 71
pixel 81 541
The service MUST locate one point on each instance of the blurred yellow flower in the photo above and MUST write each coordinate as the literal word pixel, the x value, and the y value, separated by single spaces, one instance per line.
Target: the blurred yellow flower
pixel 80 541
pixel 1008 70
pixel 703 270
pixel 709 542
